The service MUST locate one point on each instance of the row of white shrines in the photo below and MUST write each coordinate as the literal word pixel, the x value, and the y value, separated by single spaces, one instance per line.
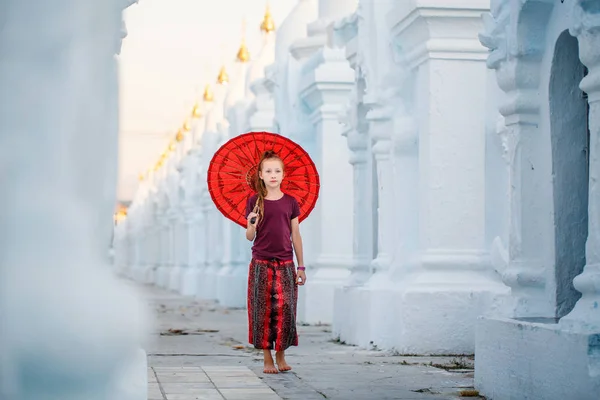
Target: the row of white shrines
pixel 459 210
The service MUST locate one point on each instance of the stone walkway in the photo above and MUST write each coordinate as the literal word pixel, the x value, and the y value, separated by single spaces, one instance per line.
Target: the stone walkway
pixel 207 383
pixel 199 351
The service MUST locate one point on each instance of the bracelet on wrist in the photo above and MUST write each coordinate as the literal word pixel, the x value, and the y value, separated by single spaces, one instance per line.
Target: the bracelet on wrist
pixel 301 268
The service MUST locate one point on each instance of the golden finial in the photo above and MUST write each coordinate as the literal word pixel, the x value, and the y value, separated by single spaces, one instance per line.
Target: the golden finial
pixel 196 113
pixel 141 177
pixel 243 55
pixel 179 136
pixel 267 25
pixel 223 77
pixel 208 94
pixel 186 126
pixel 120 215
pixel 171 146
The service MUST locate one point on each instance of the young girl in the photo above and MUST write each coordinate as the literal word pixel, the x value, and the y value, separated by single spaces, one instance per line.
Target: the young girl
pixel 272 281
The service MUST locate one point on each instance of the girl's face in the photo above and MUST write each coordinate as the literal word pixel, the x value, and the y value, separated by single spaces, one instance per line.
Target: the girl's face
pixel 272 173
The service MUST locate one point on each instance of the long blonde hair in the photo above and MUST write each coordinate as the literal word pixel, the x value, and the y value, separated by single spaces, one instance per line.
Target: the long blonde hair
pixel 261 188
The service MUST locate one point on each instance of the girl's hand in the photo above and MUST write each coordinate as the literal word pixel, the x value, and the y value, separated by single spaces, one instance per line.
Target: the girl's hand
pixel 253 214
pixel 301 278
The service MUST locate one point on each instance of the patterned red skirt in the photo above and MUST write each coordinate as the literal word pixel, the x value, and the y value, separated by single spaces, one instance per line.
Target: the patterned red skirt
pixel 272 299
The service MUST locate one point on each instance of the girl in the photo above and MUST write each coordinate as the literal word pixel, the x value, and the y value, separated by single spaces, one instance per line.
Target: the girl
pixel 272 280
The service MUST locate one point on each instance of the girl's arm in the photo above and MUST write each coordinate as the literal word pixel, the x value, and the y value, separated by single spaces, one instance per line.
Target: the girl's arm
pixel 297 242
pixel 251 228
pixel 250 232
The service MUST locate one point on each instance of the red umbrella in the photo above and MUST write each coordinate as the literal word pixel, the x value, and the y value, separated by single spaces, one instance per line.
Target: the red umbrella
pixel 232 173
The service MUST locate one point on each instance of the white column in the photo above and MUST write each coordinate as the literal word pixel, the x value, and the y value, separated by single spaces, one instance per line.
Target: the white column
pixel 586 314
pixel 180 244
pixel 360 159
pixel 380 131
pixel 143 235
pixel 212 260
pixel 325 91
pixel 453 277
pixel 232 278
pixel 380 291
pixel 164 246
pixel 518 75
pixel 193 223
pixel 54 245
pixel 200 246
pixel 350 305
pixel 406 188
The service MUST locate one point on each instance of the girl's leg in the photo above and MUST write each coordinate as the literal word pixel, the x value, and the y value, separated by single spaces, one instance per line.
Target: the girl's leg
pixel 281 363
pixel 269 363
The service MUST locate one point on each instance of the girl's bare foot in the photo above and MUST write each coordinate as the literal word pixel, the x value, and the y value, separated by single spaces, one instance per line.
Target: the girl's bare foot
pixel 281 363
pixel 269 364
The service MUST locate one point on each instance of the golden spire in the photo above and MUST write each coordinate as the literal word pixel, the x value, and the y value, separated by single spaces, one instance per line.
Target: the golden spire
pixel 243 55
pixel 196 113
pixel 141 177
pixel 223 77
pixel 208 94
pixel 120 215
pixel 267 25
pixel 172 145
pixel 179 136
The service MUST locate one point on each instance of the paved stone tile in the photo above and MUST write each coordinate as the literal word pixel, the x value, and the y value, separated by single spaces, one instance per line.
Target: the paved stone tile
pixel 249 394
pixel 205 394
pixel 177 369
pixel 173 388
pixel 240 385
pixel 221 368
pixel 185 377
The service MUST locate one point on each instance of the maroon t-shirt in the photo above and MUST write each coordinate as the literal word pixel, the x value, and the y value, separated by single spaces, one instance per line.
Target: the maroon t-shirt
pixel 274 232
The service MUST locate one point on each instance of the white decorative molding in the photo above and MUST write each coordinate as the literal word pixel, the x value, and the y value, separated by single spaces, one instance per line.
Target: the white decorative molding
pixel 441 31
pixel 515 32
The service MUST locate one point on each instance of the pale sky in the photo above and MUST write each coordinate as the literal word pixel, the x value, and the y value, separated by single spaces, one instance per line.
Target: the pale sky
pixel 173 49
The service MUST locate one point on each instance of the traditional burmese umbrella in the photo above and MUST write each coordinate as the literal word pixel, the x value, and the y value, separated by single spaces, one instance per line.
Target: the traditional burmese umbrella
pixel 232 173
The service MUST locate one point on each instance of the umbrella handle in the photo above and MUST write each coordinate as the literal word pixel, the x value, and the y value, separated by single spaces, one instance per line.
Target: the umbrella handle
pixel 255 209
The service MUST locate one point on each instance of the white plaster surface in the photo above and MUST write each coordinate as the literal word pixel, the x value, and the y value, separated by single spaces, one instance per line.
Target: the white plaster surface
pixel 66 324
pixel 520 360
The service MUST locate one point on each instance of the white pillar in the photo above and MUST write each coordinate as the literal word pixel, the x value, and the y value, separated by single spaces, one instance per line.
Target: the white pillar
pixel 380 290
pixel 405 154
pixel 188 283
pixel 325 93
pixel 350 303
pixel 380 131
pixel 200 249
pixel 361 161
pixel 519 77
pixel 453 278
pixel 164 243
pixel 213 249
pixel 179 249
pixel 585 316
pixel 59 61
